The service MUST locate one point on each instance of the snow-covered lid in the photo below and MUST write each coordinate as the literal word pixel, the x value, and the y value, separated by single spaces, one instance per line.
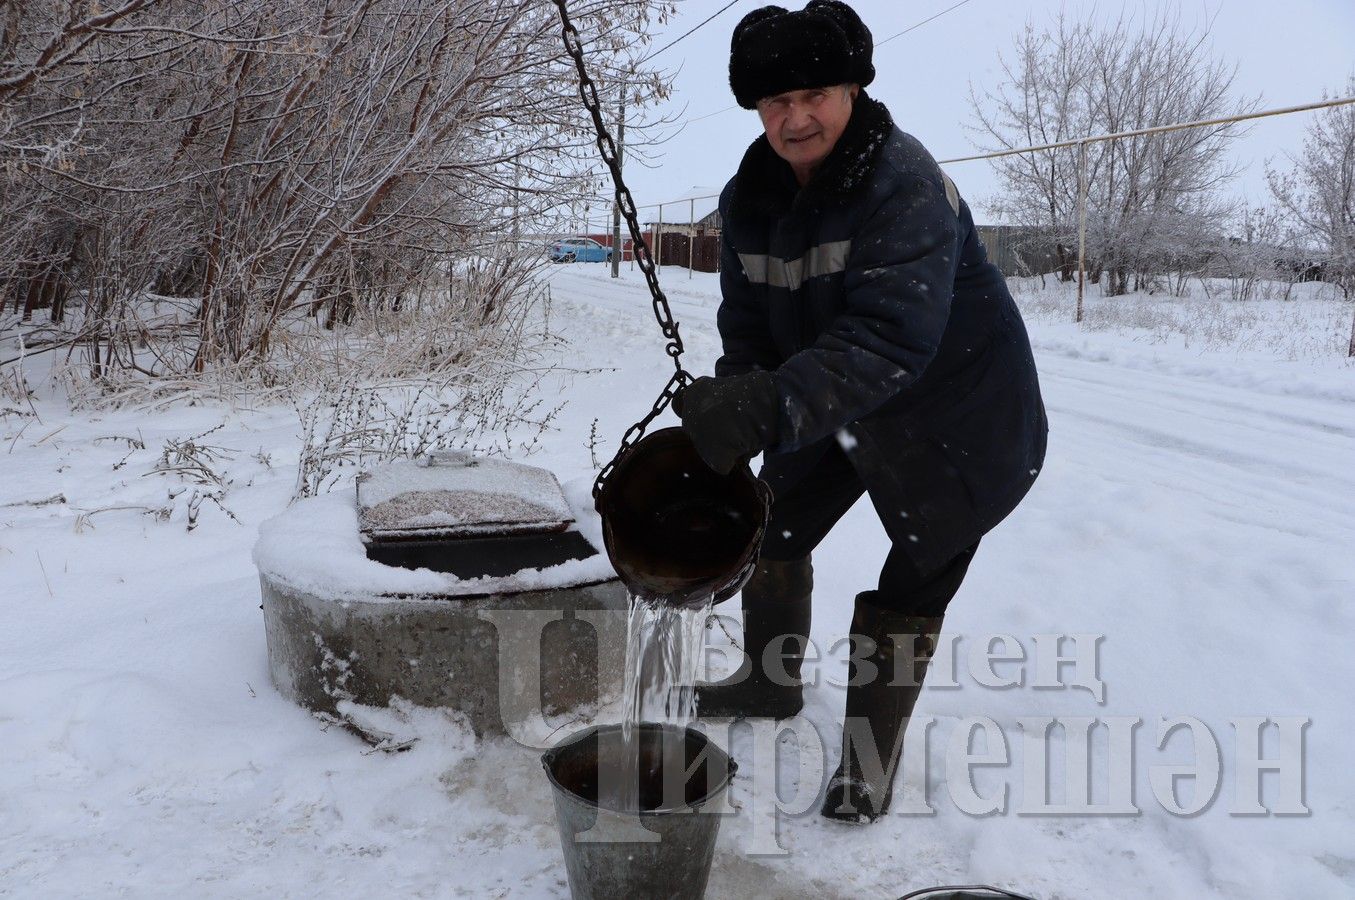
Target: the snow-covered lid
pixel 450 494
pixel 313 548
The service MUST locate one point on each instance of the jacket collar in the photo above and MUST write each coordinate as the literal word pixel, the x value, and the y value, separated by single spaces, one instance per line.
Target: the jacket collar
pixel 766 185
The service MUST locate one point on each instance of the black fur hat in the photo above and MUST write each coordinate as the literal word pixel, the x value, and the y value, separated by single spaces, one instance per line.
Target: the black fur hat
pixel 775 50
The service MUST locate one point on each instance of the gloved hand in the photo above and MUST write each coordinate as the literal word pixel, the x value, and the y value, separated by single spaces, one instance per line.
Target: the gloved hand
pixel 730 420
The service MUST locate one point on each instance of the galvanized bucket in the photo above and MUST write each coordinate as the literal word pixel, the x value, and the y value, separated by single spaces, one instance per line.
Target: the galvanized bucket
pixel 674 529
pixel 665 849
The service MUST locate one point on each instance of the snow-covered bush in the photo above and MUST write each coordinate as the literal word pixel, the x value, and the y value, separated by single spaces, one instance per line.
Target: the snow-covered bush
pixel 1279 318
pixel 457 369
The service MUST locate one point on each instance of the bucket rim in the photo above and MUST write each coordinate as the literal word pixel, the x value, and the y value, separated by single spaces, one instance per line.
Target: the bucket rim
pixel 726 777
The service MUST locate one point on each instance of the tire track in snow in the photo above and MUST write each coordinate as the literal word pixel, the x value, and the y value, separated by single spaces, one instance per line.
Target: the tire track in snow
pixel 1195 392
pixel 1220 494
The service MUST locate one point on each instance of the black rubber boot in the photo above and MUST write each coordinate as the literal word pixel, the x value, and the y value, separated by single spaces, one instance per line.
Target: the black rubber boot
pixel 879 704
pixel 776 604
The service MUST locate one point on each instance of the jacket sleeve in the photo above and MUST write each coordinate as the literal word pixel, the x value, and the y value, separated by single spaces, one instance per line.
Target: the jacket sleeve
pixel 898 285
pixel 745 330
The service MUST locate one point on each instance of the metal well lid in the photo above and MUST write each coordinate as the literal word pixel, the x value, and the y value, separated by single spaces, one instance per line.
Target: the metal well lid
pixel 454 494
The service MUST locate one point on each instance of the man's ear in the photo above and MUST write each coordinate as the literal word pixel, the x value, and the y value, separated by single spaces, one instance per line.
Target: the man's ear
pixel 854 89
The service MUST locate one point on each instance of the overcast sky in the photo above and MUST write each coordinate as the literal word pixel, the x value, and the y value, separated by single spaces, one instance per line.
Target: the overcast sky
pixel 1287 53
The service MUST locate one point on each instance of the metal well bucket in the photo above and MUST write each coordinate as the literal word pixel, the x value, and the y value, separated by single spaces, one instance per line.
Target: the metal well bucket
pixel 676 530
pixel 663 851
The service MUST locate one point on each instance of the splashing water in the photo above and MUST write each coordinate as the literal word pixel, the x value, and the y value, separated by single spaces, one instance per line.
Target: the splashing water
pixel 663 653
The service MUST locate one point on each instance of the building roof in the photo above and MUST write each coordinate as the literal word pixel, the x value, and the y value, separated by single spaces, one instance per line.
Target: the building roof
pixel 679 209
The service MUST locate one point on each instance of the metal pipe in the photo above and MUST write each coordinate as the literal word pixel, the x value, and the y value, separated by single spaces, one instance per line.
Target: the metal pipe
pixel 1158 129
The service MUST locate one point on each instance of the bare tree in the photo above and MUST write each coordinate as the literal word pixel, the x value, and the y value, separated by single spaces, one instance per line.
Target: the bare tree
pixel 1318 193
pixel 1082 79
pixel 1253 256
pixel 197 175
pixel 1042 99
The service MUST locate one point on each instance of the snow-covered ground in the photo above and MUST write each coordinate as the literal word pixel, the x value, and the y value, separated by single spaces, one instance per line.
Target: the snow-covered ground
pixel 1194 512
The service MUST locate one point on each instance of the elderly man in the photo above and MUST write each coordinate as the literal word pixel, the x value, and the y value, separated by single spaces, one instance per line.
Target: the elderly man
pixel 869 346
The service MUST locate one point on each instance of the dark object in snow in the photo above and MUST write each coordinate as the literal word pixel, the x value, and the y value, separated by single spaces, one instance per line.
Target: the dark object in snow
pixel 683 777
pixel 675 529
pixel 470 516
pixel 478 557
pixel 774 50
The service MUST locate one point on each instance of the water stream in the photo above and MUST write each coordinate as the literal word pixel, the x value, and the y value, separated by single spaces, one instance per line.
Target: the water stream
pixel 663 653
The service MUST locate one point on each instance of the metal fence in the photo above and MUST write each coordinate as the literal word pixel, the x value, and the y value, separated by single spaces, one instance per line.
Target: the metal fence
pixel 685 237
pixel 1082 143
pixel 1016 250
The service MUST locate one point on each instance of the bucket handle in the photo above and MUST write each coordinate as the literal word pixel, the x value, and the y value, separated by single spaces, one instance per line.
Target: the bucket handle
pixel 1001 892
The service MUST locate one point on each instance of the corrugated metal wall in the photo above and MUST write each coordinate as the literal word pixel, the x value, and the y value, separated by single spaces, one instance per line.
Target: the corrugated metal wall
pixel 1018 251
pixel 702 252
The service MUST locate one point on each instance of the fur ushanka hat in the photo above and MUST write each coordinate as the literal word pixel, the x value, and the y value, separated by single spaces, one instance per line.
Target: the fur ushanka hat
pixel 774 50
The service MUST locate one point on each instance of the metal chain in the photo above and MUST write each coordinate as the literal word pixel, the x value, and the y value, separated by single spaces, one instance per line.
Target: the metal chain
pixel 640 249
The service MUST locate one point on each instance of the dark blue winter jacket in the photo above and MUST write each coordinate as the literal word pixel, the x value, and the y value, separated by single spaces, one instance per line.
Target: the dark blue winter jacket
pixel 871 298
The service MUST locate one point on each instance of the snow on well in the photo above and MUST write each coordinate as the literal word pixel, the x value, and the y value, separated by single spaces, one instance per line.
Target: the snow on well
pixel 314 547
pixel 459 492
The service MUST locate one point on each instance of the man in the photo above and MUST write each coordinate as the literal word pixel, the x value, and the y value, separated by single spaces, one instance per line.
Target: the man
pixel 869 346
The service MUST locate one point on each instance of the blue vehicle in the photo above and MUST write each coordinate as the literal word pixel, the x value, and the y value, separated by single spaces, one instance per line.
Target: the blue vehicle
pixel 578 250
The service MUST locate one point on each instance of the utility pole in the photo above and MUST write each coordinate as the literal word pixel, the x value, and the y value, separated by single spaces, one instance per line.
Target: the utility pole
pixel 617 251
pixel 1081 225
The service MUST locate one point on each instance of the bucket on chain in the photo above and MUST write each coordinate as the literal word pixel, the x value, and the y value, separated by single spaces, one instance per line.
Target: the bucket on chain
pixel 683 777
pixel 675 529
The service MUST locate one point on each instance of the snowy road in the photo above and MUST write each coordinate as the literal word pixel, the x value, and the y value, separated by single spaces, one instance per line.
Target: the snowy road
pixel 1194 513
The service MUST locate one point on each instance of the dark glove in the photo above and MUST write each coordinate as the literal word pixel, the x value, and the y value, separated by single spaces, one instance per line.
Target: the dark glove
pixel 730 420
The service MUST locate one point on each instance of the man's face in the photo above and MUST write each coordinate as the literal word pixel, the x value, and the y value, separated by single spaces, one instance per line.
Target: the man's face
pixel 803 126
